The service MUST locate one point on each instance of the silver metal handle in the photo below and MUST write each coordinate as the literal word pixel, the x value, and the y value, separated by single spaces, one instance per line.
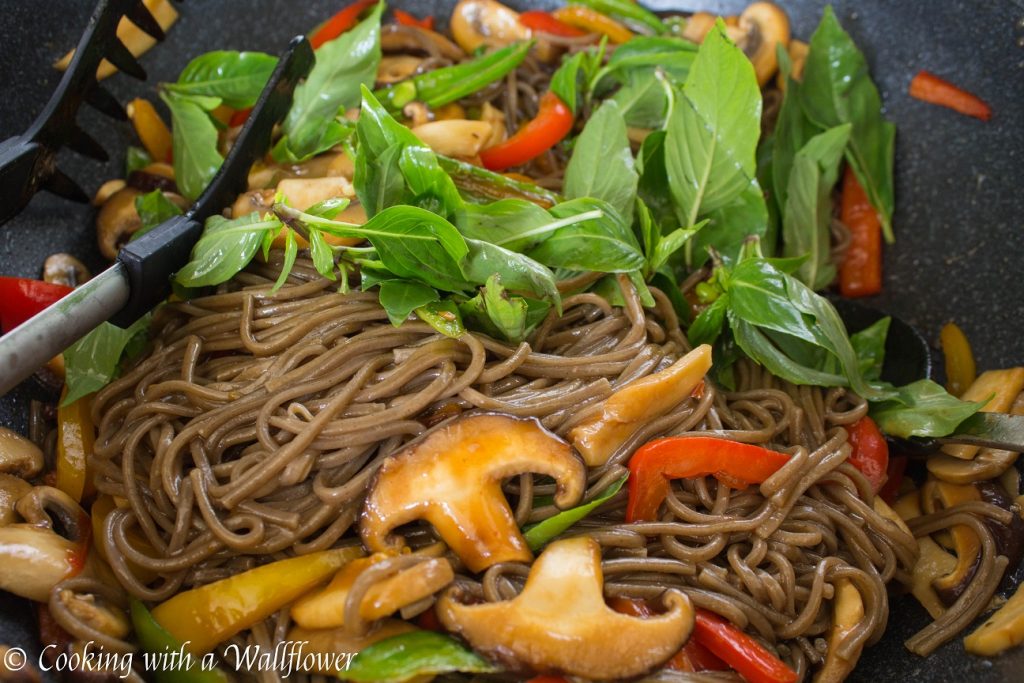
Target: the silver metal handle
pixel 46 334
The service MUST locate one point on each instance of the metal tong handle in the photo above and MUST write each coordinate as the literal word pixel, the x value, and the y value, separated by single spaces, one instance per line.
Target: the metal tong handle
pixel 140 278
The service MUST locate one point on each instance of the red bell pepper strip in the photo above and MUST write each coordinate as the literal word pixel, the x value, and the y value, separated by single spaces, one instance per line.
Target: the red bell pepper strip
pixel 891 489
pixel 733 463
pixel 746 656
pixel 928 87
pixel 870 452
pixel 552 123
pixel 407 19
pixel 860 273
pixel 339 23
pixel 21 298
pixel 539 20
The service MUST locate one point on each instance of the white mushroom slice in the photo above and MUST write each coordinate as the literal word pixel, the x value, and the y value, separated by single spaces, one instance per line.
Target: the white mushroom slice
pixel 455 137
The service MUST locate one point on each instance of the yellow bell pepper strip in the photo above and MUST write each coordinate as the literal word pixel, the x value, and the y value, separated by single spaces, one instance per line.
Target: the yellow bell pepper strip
pixel 154 638
pixel 960 368
pixel 75 438
pixel 203 617
pixel 1001 631
pixel 731 462
pixel 153 133
pixel 593 21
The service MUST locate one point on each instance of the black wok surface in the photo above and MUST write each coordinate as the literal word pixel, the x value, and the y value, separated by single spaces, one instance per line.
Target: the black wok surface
pixel 959 190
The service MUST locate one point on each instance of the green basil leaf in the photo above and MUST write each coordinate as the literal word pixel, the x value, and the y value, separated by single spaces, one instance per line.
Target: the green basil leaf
pixel 412 655
pixel 712 130
pixel 135 159
pixel 291 250
pixel 343 65
pixel 329 208
pixel 444 317
pixel 539 535
pixel 196 159
pixel 869 344
pixel 92 361
pixel 642 100
pixel 807 215
pixel 518 273
pixel 225 248
pixel 507 314
pixel 602 162
pixel 733 225
pixel 400 298
pixel 502 222
pixel 653 187
pixel 237 78
pixel 604 244
pixel 372 275
pixel 439 87
pixel 478 184
pixel 322 255
pixel 838 89
pixel 922 408
pixel 707 326
pixel 758 295
pixel 566 81
pixel 792 131
pixel 432 188
pixel 379 182
pixel 759 347
pixel 671 243
pixel 630 12
pixel 153 208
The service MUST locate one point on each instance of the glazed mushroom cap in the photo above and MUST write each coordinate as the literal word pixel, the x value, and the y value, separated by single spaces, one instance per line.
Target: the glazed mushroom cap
pixel 12 489
pixel 634 405
pixel 117 221
pixel 18 455
pixel 764 25
pixel 33 560
pixel 396 38
pixel 486 22
pixel 560 622
pixel 64 269
pixel 461 138
pixel 452 479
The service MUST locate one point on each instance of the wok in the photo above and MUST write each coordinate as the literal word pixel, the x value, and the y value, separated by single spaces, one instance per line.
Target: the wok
pixel 958 186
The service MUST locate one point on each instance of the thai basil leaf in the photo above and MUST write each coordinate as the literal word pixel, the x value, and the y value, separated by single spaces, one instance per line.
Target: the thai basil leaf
pixel 792 131
pixel 518 273
pixel 653 186
pixel 712 130
pixel 225 248
pixel 733 225
pixel 837 89
pixel 539 535
pixel 507 314
pixel 329 208
pixel 503 222
pixel 478 184
pixel 571 82
pixel 237 78
pixel 869 344
pixel 631 12
pixel 92 361
pixel 414 655
pixel 291 250
pixel 671 243
pixel 196 159
pixel 343 65
pixel 400 298
pixel 922 408
pixel 444 317
pixel 807 215
pixel 432 188
pixel 707 326
pixel 602 244
pixel 153 208
pixel 642 100
pixel 602 163
pixel 135 159
pixel 321 254
pixel 442 86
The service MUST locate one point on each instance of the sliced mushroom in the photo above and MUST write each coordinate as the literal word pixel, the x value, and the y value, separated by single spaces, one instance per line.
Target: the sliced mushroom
pixel 932 561
pixel 117 221
pixel 18 455
pixel 417 113
pixel 326 608
pixel 50 508
pixel 560 621
pixel 107 190
pixel 329 165
pixel 764 25
pixel 396 38
pixel 936 495
pixel 303 193
pixel 797 50
pixel 496 118
pixel 698 25
pixel 1001 630
pixel 455 138
pixel 393 69
pixel 636 404
pixel 486 22
pixel 988 463
pixel 999 389
pixel 847 614
pixel 452 479
pixel 336 640
pixel 12 489
pixel 94 611
pixel 64 269
pixel 33 560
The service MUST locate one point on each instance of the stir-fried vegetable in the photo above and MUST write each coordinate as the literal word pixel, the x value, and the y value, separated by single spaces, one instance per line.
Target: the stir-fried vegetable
pixel 744 654
pixel 341 22
pixel 869 452
pixel 21 298
pixel 928 87
pixel 961 370
pixel 553 122
pixel 860 273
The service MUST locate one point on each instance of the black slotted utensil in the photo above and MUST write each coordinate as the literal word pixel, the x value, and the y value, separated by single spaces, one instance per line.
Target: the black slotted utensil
pixel 28 161
pixel 139 279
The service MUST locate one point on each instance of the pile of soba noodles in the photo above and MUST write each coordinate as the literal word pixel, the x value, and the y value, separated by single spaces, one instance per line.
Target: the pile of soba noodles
pixel 262 412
